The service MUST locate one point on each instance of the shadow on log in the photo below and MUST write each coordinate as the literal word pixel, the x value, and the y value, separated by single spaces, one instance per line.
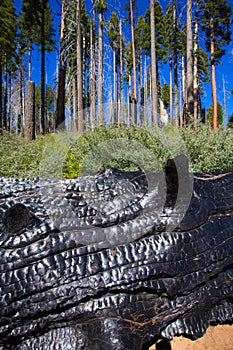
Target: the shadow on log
pixel 115 260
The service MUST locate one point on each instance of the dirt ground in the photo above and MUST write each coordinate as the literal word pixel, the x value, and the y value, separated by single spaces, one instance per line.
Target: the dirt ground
pixel 216 338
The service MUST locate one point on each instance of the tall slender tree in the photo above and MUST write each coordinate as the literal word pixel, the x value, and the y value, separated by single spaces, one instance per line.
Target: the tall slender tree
pixel 100 7
pixel 80 115
pixel 215 23
pixel 175 57
pixel 115 42
pixel 37 21
pixel 131 3
pixel 60 117
pixel 189 63
pixel 8 26
pixel 154 92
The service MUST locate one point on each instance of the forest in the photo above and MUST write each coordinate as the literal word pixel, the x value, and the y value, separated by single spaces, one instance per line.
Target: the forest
pixel 109 64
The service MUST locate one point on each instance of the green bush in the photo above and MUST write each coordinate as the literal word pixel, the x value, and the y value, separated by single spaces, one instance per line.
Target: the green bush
pixel 128 148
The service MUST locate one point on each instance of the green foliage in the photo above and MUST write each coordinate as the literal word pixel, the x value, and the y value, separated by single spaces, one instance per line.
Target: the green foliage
pixel 8 28
pixel 36 14
pixel 69 155
pixel 230 121
pixel 209 115
pixel 215 23
pixel 19 157
pixel 160 30
pixel 166 95
pixel 209 150
pixel 100 6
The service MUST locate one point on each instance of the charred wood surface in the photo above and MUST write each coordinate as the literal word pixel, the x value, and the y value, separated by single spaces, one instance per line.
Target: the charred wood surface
pixel 114 260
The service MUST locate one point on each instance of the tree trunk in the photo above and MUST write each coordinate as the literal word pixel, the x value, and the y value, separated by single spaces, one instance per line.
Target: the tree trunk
pixel 5 101
pixel 175 65
pixel 145 122
pixel 189 76
pixel 80 115
pixel 121 92
pixel 115 119
pixel 1 111
pixel 62 74
pixel 213 78
pixel 42 124
pixel 100 72
pixel 20 117
pixel 154 92
pixel 183 94
pixel 92 82
pixel 171 88
pixel 29 132
pixel 195 77
pixel 134 108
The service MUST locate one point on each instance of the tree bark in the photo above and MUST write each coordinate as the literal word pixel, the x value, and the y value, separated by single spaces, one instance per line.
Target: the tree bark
pixel 189 76
pixel 195 75
pixel 29 132
pixel 170 86
pixel 154 92
pixel 62 75
pixel 92 81
pixel 213 78
pixel 42 124
pixel 134 65
pixel 100 72
pixel 1 111
pixel 176 122
pixel 80 115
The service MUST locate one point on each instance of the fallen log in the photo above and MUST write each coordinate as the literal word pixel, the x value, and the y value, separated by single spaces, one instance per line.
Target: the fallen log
pixel 115 260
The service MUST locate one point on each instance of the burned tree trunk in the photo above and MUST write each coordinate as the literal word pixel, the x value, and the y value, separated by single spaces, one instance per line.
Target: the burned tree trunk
pixel 29 131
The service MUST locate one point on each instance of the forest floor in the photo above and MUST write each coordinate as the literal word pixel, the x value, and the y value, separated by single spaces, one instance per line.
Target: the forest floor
pixel 216 338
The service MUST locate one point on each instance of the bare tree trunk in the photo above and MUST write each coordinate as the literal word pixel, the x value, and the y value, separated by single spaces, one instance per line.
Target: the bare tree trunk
pixel 134 65
pixel 42 121
pixel 80 115
pixel 145 95
pixel 62 74
pixel 154 92
pixel 175 65
pixel 1 111
pixel 92 82
pixel 183 94
pixel 195 77
pixel 120 110
pixel 213 78
pixel 5 101
pixel 170 88
pixel 114 89
pixel 100 72
pixel 189 76
pixel 20 117
pixel 29 132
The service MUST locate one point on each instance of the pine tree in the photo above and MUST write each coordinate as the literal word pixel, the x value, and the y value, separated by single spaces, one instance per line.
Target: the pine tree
pixel 154 93
pixel 115 42
pixel 37 24
pixel 189 63
pixel 216 20
pixel 79 110
pixel 100 7
pixel 8 27
pixel 60 111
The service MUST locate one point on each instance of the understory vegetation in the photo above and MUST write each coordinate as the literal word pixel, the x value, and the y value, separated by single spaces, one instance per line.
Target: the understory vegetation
pixel 127 148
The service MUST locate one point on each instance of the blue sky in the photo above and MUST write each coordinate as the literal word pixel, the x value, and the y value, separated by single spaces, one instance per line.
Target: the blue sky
pixel 224 72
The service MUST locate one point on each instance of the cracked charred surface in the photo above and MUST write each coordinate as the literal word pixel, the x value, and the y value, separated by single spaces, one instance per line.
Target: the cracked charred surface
pixel 92 263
